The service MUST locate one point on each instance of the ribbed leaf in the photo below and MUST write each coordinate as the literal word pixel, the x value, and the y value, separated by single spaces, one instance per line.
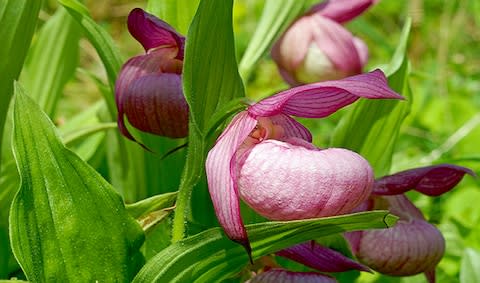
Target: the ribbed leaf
pixel 211 257
pixel 276 16
pixel 210 82
pixel 52 60
pixel 18 19
pixel 210 74
pixel 178 13
pixel 66 222
pixel 372 126
pixel 102 42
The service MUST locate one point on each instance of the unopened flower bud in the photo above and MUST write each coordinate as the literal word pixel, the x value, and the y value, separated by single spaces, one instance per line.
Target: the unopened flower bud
pixel 149 88
pixel 316 47
pixel 410 247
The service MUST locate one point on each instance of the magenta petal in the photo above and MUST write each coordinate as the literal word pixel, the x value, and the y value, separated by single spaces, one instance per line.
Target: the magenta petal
pixel 342 10
pixel 277 275
pixel 321 99
pixel 223 188
pixel 152 32
pixel 431 180
pixel 321 258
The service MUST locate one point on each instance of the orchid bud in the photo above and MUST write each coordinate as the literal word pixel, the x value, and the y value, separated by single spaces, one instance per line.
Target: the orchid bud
pixel 316 47
pixel 410 247
pixel 148 90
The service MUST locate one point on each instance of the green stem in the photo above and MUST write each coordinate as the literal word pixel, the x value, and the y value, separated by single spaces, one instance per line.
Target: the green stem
pixel 194 168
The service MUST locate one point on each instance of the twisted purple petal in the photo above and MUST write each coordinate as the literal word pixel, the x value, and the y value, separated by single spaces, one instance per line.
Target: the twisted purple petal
pixel 277 275
pixel 321 258
pixel 223 189
pixel 341 10
pixel 152 32
pixel 321 99
pixel 431 180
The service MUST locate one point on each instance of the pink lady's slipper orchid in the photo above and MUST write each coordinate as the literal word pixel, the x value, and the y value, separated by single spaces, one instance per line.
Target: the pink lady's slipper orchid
pixel 149 88
pixel 266 157
pixel 413 245
pixel 316 47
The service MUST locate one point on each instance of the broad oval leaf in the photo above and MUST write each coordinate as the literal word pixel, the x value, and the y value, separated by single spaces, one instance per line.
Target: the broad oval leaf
pixel 211 257
pixel 66 222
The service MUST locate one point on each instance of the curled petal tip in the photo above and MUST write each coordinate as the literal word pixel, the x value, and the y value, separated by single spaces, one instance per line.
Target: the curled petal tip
pixel 152 32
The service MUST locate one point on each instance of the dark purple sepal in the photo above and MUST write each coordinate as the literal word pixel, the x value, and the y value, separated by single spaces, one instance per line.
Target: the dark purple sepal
pixel 431 180
pixel 313 255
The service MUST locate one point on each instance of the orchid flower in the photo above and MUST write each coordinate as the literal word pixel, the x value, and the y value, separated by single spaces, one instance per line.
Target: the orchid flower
pixel 413 245
pixel 149 87
pixel 266 157
pixel 317 47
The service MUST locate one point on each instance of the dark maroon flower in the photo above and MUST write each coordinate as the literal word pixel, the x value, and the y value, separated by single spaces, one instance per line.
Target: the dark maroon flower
pixel 149 88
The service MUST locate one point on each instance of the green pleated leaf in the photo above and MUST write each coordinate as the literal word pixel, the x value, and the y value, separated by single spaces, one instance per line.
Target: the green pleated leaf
pixel 276 16
pixel 67 224
pixel 211 257
pixel 371 128
pixel 210 82
pixel 52 60
pixel 18 19
pixel 210 73
pixel 470 266
pixel 178 13
pixel 102 42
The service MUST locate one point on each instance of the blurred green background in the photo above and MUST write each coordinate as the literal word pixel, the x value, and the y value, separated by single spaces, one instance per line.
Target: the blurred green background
pixel 443 126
